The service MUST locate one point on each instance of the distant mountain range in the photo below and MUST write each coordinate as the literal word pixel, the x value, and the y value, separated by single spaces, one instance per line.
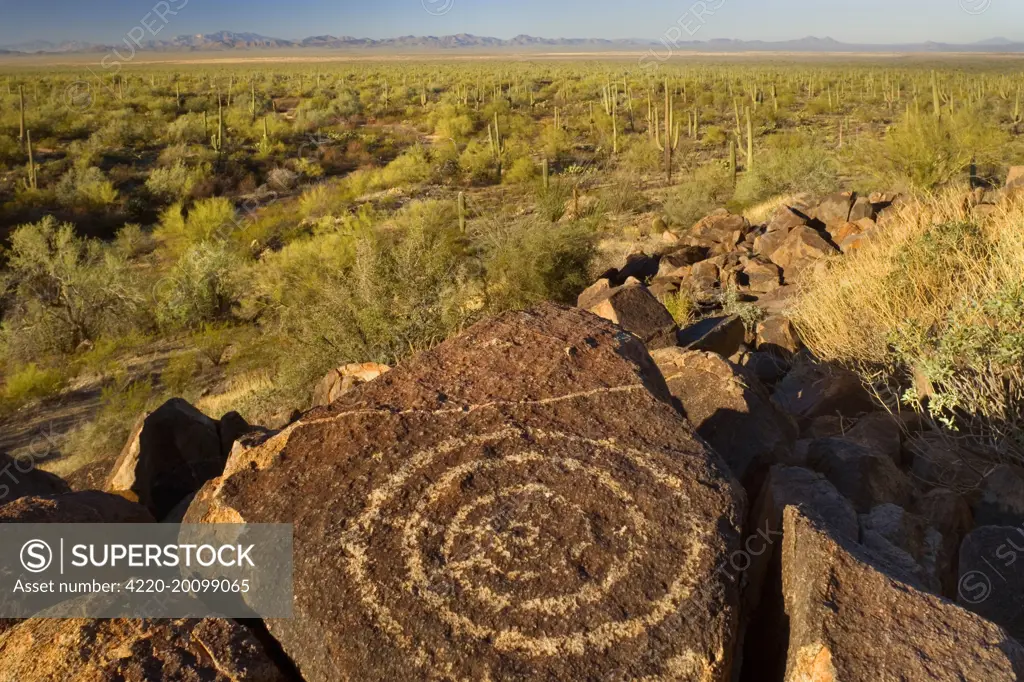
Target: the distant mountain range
pixel 229 41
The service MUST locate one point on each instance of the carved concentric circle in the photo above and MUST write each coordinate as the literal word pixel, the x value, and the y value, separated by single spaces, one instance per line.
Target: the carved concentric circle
pixel 525 542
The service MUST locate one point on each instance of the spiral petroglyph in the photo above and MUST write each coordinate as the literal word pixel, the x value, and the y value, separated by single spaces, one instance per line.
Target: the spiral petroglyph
pixel 521 503
pixel 536 552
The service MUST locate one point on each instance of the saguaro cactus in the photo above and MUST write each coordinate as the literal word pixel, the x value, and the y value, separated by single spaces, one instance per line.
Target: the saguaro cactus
pixel 671 141
pixel 21 119
pixel 750 142
pixel 33 178
pixel 462 212
pixel 545 172
pixel 497 145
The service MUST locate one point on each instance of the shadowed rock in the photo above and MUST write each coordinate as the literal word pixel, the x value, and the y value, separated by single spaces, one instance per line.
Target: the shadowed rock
pixel 636 310
pixel 722 335
pixel 170 454
pixel 991 579
pixel 729 408
pixel 90 506
pixel 19 477
pixel 181 650
pixel 522 502
pixel 866 477
pixel 854 620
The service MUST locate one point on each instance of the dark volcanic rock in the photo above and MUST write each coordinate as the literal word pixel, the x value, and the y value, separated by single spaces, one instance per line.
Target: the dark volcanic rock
pixel 866 477
pixel 170 454
pixel 181 650
pixel 853 620
pixel 19 477
pixel 722 335
pixel 90 506
pixel 520 503
pixel 636 310
pixel 730 409
pixel 992 575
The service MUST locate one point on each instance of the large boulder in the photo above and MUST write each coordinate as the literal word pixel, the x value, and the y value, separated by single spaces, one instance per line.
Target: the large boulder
pixel 20 477
pixel 811 390
pixel 992 575
pixel 729 408
pixel 879 431
pixel 852 619
pixel 765 627
pixel 722 335
pixel 999 500
pixel 169 455
pixel 721 227
pixel 868 478
pixel 803 247
pixel 835 209
pixel 636 310
pixel 521 502
pixel 341 380
pixel 776 334
pixel 639 266
pixel 904 540
pixel 762 277
pixel 89 506
pixel 181 650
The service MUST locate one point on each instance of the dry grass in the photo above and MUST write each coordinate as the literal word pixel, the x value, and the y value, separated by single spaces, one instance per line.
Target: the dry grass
pixel 931 311
pixel 760 213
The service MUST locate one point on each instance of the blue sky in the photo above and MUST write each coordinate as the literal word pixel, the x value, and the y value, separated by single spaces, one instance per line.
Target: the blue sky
pixel 876 21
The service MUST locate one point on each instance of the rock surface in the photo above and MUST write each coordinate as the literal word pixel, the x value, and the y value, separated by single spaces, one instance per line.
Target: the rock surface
pixel 90 506
pixel 729 408
pixel 182 650
pixel 170 454
pixel 522 502
pixel 991 580
pixel 341 380
pixel 722 335
pixel 636 310
pixel 866 477
pixel 849 621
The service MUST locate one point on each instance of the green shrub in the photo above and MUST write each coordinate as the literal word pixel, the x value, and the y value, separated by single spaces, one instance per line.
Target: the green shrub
pixel 787 170
pixel 925 152
pixel 31 382
pixel 529 261
pixel 175 182
pixel 68 290
pixel 86 188
pixel 208 219
pixel 202 287
pixel 180 372
pixel 710 187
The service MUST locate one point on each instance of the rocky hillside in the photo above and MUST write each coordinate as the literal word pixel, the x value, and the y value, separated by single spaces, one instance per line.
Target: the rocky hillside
pixel 590 493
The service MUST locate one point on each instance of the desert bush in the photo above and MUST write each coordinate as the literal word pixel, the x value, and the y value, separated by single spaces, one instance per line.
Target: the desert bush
pixel 682 306
pixel 939 322
pixel 201 287
pixel 411 168
pixel 67 290
pixel 527 261
pixel 710 187
pixel 207 219
pixel 925 152
pixel 175 182
pixel 786 170
pixel 180 373
pixel 85 187
pixel 31 382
